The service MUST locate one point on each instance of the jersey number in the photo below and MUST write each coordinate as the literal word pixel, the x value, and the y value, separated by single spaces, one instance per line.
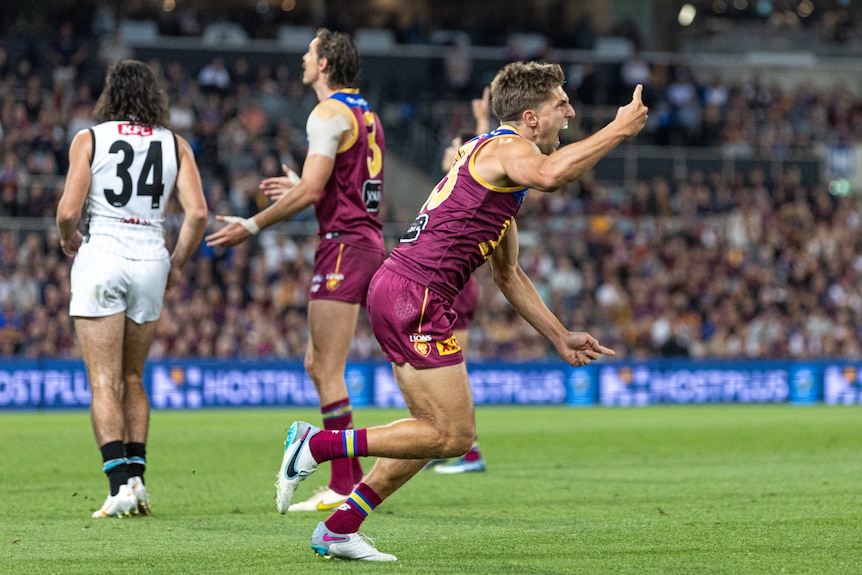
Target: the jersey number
pixel 375 158
pixel 444 188
pixel 149 180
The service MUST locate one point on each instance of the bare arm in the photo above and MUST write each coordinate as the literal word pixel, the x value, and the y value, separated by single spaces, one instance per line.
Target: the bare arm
pixel 522 163
pixel 191 197
pixel 75 193
pixel 575 348
pixel 315 173
pixel 293 197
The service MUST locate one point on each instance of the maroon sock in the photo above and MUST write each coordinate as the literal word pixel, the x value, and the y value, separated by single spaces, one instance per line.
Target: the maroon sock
pixel 334 444
pixel 360 504
pixel 473 454
pixel 339 416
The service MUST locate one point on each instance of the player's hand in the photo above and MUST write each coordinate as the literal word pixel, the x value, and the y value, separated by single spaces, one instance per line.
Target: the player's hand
pixel 71 246
pixel 232 234
pixel 481 110
pixel 580 348
pixel 278 186
pixel 633 115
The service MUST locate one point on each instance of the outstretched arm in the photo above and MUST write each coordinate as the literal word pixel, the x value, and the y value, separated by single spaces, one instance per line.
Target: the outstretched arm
pixel 326 128
pixel 576 348
pixel 315 173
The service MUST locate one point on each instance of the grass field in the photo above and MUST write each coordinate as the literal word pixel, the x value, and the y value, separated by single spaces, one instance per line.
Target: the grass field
pixel 705 489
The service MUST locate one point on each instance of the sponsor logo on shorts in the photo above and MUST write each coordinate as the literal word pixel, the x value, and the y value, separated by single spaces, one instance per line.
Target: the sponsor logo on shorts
pixel 448 346
pixel 333 281
pixel 315 283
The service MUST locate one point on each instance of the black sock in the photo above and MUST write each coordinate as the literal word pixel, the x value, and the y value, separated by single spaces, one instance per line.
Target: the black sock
pixel 136 454
pixel 114 464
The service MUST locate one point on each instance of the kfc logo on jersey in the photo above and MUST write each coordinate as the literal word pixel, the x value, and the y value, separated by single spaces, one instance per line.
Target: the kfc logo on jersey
pixel 126 129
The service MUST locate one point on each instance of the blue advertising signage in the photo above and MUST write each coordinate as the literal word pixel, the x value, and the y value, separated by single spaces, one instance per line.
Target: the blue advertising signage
pixel 46 385
pixel 842 384
pixel 196 384
pixel 693 382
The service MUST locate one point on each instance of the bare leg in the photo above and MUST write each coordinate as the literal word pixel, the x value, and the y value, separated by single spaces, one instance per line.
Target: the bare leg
pixel 331 325
pixel 101 343
pixel 331 328
pixel 463 337
pixel 443 425
pixel 136 407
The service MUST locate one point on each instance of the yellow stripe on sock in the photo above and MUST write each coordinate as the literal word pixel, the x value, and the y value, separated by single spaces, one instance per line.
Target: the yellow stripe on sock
pixel 349 443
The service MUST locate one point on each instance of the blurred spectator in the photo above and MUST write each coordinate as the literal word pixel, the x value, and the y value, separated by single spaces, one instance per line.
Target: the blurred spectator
pixel 458 67
pixel 66 53
pixel 215 77
pixel 37 204
pixel 112 48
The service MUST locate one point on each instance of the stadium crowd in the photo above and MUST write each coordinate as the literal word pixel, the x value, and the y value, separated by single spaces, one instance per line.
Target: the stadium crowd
pixel 694 264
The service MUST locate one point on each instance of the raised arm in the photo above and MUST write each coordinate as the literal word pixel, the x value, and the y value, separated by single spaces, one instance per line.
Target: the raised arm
pixel 523 163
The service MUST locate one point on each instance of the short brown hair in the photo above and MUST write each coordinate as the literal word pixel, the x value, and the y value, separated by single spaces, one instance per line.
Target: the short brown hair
pixel 341 54
pixel 521 86
pixel 133 93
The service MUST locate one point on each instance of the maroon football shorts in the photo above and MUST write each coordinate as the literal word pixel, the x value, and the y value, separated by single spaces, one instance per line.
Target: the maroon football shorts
pixel 411 323
pixel 343 271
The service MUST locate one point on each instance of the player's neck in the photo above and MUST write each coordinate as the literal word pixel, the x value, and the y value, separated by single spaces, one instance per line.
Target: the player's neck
pixel 325 90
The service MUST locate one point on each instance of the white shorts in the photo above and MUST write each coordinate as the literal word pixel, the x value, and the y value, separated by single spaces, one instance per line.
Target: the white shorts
pixel 104 284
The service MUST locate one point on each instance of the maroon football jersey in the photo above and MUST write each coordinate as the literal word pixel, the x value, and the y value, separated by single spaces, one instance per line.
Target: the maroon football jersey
pixel 459 226
pixel 351 198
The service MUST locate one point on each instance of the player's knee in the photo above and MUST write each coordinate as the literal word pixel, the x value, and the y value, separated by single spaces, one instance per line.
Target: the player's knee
pixel 460 446
pixel 131 380
pixel 457 441
pixel 312 368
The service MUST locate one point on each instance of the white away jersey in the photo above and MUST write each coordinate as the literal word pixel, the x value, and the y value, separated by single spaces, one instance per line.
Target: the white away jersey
pixel 134 169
